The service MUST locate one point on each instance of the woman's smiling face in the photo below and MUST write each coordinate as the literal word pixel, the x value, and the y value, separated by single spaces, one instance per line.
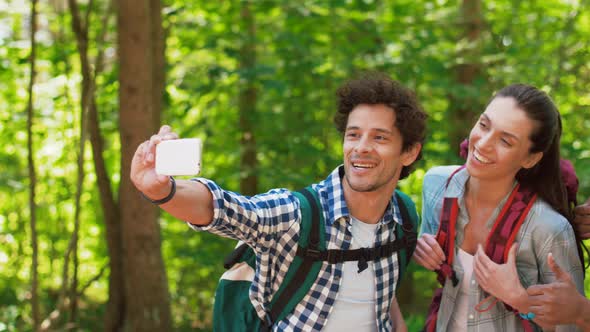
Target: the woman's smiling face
pixel 499 143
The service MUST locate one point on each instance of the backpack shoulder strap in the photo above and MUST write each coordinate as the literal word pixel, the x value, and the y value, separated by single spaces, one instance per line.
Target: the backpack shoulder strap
pixel 302 272
pixel 410 221
pixel 408 231
pixel 445 236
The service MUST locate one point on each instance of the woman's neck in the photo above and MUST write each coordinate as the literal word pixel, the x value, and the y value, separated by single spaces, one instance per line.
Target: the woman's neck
pixel 488 192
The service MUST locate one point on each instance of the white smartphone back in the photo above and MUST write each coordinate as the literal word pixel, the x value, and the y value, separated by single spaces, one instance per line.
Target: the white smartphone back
pixel 179 157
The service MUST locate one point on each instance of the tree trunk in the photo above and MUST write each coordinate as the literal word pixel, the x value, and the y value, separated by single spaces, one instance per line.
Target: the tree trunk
pixel 35 312
pixel 115 308
pixel 146 287
pixel 81 32
pixel 247 103
pixel 464 104
pixel 159 62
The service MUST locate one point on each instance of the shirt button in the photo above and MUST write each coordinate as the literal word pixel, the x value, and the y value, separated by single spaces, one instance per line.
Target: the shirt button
pixel 323 315
pixel 473 282
pixel 347 238
pixel 336 278
pixel 471 316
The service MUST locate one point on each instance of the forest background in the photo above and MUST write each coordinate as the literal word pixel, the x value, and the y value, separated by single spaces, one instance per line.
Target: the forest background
pixel 82 83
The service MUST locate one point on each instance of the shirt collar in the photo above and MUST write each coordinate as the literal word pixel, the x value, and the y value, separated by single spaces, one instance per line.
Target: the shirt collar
pixel 332 199
pixel 456 186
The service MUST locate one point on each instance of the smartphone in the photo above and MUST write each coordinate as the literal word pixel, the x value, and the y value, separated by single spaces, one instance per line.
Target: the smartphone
pixel 179 157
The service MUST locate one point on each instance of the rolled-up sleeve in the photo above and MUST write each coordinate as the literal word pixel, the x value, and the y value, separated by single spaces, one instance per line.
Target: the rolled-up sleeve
pixel 255 220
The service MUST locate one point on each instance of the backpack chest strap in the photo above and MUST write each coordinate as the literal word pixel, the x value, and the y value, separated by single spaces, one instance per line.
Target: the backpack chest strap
pixel 334 256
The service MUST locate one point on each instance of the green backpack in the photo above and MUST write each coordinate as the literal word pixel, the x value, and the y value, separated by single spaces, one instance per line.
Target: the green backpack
pixel 233 310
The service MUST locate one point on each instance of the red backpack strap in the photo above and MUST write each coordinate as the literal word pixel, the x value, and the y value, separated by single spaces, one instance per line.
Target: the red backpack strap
pixel 508 223
pixel 445 237
pixel 506 228
pixel 432 315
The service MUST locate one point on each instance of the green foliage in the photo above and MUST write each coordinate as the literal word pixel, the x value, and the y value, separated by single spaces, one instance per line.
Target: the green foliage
pixel 305 50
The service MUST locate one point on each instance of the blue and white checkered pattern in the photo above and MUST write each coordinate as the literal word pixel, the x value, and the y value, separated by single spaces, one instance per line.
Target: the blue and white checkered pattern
pixel 269 223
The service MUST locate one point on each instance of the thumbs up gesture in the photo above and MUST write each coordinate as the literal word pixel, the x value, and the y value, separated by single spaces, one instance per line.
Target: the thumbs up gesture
pixel 558 302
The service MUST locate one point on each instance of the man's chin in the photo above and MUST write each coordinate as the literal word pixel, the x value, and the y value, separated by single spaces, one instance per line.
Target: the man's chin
pixel 362 187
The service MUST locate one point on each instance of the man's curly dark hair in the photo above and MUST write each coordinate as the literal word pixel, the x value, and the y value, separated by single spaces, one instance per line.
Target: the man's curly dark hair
pixel 378 88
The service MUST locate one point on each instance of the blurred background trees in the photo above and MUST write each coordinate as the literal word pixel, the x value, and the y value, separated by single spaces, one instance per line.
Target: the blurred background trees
pixel 82 83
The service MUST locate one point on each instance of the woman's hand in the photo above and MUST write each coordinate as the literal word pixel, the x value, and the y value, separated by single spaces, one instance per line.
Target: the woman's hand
pixel 428 252
pixel 501 280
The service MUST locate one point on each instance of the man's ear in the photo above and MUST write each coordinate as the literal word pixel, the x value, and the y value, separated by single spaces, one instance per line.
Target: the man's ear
pixel 532 160
pixel 410 155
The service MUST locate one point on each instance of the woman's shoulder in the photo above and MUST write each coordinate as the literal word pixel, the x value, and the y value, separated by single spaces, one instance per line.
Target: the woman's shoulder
pixel 437 176
pixel 440 172
pixel 544 217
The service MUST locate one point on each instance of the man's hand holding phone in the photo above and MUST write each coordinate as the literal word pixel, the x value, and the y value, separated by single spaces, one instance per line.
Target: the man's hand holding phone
pixel 179 157
pixel 153 164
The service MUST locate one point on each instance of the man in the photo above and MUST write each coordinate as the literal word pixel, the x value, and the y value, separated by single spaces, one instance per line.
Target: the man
pixel 383 128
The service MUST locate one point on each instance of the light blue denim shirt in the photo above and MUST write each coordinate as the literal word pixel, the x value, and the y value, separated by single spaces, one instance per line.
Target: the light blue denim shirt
pixel 543 231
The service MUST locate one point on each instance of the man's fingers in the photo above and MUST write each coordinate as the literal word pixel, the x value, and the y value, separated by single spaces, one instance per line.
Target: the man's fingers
pixel 559 273
pixel 582 210
pixel 144 150
pixel 535 291
pixel 171 136
pixel 582 219
pixel 165 129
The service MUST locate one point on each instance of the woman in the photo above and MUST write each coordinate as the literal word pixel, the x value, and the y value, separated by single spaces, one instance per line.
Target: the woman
pixel 513 149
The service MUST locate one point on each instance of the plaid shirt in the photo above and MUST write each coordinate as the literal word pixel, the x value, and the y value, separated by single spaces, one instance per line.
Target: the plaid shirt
pixel 270 222
pixel 543 231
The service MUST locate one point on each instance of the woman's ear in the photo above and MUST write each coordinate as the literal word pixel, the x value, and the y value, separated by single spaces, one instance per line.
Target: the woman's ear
pixel 532 160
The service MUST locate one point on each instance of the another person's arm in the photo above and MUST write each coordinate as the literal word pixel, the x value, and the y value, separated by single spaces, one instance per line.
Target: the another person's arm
pixel 559 302
pixel 397 317
pixel 192 201
pixel 582 220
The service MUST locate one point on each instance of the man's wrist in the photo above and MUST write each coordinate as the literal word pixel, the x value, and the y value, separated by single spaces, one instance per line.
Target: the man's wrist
pixel 164 199
pixel 583 313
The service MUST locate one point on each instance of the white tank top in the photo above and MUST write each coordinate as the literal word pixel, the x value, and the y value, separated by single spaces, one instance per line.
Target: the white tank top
pixel 355 308
pixel 458 321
